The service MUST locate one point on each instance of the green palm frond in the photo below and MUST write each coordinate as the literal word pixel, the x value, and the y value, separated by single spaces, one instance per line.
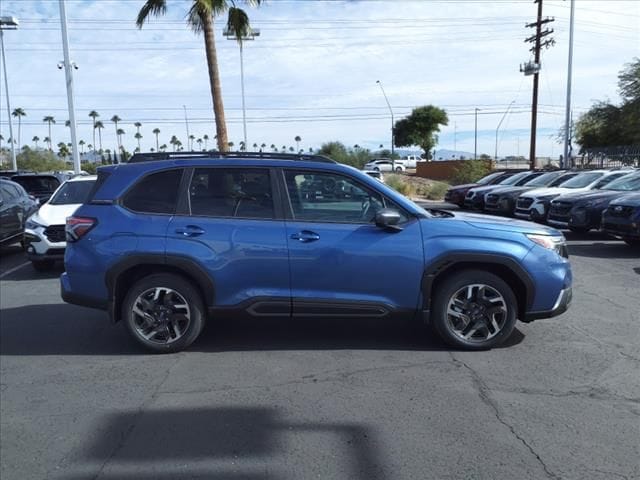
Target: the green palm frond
pixel 151 8
pixel 238 23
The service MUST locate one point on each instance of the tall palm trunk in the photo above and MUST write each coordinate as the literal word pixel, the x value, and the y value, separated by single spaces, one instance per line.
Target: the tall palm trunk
pixel 157 145
pixel 94 133
pixel 49 135
pixel 100 138
pixel 214 81
pixel 19 127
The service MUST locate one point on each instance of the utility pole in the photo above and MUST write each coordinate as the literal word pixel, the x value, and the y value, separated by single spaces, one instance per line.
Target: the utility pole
pixel 567 116
pixel 533 68
pixel 475 148
pixel 68 73
pixel 393 161
pixel 186 123
pixel 8 23
pixel 495 156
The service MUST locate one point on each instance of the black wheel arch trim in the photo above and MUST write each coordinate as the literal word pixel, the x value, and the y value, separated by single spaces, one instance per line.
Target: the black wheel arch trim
pixel 188 266
pixel 445 262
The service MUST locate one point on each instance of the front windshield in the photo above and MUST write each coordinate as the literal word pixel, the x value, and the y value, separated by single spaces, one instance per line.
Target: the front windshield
pixel 625 184
pixel 37 183
pixel 515 178
pixel 486 180
pixel 542 180
pixel 72 192
pixel 582 180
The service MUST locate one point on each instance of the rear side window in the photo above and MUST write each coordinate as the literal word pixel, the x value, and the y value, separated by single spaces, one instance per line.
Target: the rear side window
pixel 231 192
pixel 155 193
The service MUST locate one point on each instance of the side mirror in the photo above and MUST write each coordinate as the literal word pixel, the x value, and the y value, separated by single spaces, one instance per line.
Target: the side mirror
pixel 388 219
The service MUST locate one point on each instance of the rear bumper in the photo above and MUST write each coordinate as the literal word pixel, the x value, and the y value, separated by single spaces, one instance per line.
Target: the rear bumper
pixel 561 306
pixel 78 299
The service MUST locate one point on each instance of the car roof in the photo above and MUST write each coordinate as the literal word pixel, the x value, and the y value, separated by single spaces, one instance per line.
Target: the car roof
pixel 155 156
pixel 83 178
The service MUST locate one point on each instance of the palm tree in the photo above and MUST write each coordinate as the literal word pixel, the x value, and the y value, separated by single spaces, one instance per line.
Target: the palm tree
pixel 200 19
pixel 35 140
pixel 98 125
pixel 81 143
pixel 298 139
pixel 156 132
pixel 49 119
pixel 179 145
pixel 263 146
pixel 93 114
pixel 19 113
pixel 138 136
pixel 380 146
pixel 163 147
pixel 119 133
pixel 1 140
pixel 63 150
pixel 243 147
pixel 255 147
pixel 137 125
pixel 273 147
pixel 174 140
pixel 199 142
pixel 47 140
pixel 115 119
pixel 284 148
pixel 190 143
pixel 291 149
pixel 230 145
pixel 206 139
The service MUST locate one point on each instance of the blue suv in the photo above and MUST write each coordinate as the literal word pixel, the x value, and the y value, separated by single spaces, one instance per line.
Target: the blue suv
pixel 164 245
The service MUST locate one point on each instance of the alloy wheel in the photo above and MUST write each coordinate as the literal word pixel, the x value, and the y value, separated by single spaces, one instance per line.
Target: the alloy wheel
pixel 161 315
pixel 476 313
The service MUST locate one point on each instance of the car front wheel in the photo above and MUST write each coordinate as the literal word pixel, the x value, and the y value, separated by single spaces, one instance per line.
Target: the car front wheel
pixel 474 310
pixel 399 169
pixel 164 312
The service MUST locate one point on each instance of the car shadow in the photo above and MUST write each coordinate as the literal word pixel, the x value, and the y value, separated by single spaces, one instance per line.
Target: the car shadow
pixel 62 329
pixel 604 250
pixel 231 442
pixel 28 273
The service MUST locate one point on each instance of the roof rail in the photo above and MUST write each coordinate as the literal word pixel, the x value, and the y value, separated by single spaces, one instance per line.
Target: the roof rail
pixel 154 156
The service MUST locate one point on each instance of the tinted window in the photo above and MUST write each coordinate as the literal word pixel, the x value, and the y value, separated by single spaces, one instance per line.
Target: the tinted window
pixel 37 183
pixel 514 178
pixel 627 183
pixel 327 197
pixel 155 193
pixel 582 180
pixel 231 192
pixel 72 192
pixel 542 180
pixel 608 179
pixel 563 178
pixel 4 193
pixel 489 178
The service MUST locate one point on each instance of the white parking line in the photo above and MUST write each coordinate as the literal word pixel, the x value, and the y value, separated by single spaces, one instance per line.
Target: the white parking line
pixel 14 269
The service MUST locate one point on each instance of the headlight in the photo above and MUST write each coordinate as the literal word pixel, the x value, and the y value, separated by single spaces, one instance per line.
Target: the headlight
pixel 557 244
pixel 31 224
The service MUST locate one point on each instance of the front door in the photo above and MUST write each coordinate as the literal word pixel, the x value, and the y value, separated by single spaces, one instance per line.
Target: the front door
pixel 341 263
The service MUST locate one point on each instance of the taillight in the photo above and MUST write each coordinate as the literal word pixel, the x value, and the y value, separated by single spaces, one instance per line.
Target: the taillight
pixel 78 227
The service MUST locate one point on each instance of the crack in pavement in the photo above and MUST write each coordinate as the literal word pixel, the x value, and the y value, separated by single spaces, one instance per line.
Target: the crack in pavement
pixel 124 436
pixel 483 392
pixel 593 393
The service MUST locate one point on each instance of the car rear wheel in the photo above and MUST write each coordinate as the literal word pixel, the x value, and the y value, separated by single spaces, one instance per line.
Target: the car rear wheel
pixel 475 310
pixel 399 169
pixel 42 265
pixel 164 312
pixel 376 169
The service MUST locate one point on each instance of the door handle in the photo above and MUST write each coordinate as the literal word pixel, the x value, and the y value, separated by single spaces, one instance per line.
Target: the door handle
pixel 305 236
pixel 190 231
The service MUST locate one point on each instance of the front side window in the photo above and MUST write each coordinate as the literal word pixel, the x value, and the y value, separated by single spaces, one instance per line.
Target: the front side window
pixel 231 192
pixel 328 197
pixel 155 193
pixel 582 180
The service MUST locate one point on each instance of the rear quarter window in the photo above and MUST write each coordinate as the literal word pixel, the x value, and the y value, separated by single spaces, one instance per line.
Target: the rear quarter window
pixel 156 193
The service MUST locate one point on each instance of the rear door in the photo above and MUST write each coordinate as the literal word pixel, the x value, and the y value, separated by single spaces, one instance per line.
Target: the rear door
pixel 341 263
pixel 233 227
pixel 10 218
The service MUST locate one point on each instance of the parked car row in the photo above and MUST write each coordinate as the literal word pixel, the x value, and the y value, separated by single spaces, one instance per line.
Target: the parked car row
pixel 607 200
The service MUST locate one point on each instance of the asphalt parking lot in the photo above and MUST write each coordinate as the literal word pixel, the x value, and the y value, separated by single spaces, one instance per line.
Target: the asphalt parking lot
pixel 360 400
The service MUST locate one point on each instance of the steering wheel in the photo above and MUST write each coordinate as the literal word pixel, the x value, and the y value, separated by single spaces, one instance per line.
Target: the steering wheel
pixel 364 211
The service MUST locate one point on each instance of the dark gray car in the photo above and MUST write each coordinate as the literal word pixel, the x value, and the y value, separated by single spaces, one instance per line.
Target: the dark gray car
pixel 15 207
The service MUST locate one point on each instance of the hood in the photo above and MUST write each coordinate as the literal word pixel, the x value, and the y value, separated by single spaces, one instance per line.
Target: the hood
pixel 543 192
pixel 490 222
pixel 483 190
pixel 629 200
pixel 54 214
pixel 580 198
pixel 466 186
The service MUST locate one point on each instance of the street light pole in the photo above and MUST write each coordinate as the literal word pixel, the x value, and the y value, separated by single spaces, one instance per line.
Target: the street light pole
pixel 495 157
pixel 475 148
pixel 567 117
pixel 251 35
pixel 68 73
pixel 8 23
pixel 186 122
pixel 393 163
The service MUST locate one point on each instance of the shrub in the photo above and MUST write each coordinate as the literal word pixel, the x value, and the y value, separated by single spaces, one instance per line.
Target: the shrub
pixel 435 191
pixel 470 170
pixel 400 185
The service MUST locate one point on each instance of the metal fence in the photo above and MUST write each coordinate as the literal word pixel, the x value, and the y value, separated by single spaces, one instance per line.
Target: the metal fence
pixel 608 157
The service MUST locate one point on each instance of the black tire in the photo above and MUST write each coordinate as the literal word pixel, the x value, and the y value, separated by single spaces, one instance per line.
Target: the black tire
pixel 376 169
pixel 453 284
pixel 579 229
pixel 632 242
pixel 183 288
pixel 42 265
pixel 399 170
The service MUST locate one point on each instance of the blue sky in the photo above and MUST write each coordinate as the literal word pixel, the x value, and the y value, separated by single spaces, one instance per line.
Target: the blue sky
pixel 313 70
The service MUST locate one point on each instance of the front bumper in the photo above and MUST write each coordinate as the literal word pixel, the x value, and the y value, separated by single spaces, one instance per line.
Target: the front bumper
pixel 39 247
pixel 561 306
pixel 621 227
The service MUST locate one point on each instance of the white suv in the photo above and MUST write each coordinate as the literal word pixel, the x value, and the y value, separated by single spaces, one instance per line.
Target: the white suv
pixel 385 166
pixel 534 204
pixel 44 230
